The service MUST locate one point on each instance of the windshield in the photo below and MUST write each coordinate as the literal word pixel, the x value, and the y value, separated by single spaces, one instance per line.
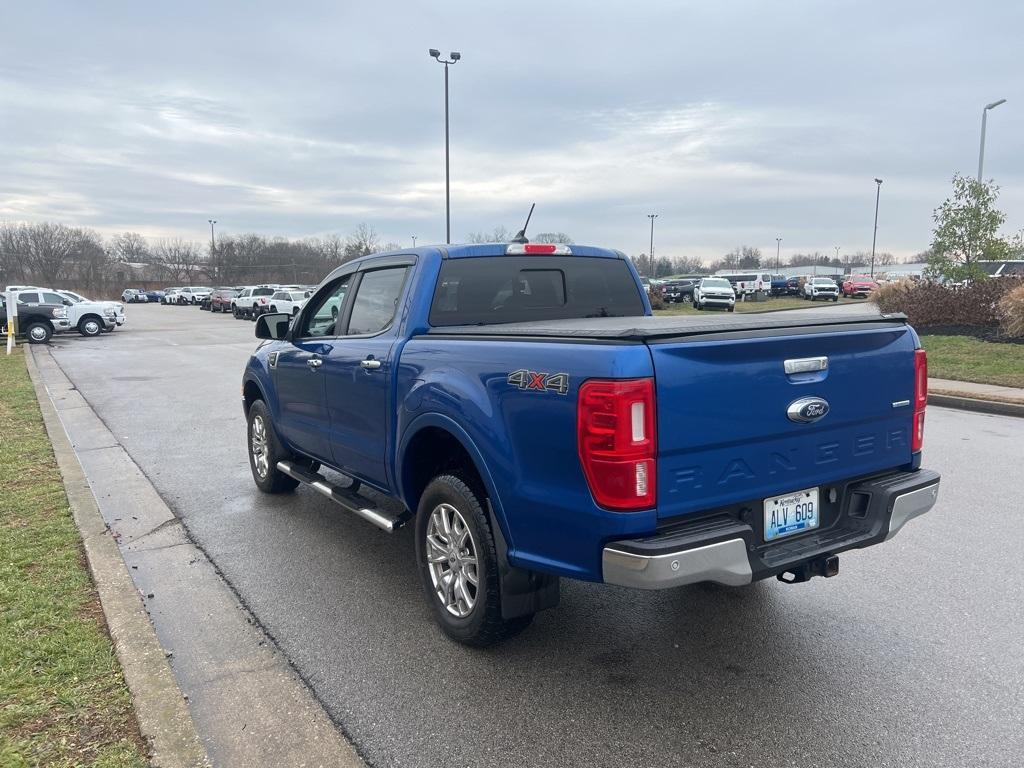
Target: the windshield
pixel 823 281
pixel 716 283
pixel 509 289
pixel 73 296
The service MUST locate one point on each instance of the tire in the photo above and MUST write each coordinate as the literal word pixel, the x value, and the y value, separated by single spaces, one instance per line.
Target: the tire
pixel 90 325
pixel 474 618
pixel 835 299
pixel 273 308
pixel 255 312
pixel 265 451
pixel 234 312
pixel 39 333
pixel 732 308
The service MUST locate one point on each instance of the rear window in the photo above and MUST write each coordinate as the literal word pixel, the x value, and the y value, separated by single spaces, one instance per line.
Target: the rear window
pixel 263 292
pixel 507 289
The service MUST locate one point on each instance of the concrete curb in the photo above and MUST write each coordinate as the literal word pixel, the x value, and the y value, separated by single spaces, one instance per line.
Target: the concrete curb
pixel 163 715
pixel 976 405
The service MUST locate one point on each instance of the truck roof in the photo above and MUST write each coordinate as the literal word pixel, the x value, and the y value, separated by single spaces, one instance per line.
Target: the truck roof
pixel 468 250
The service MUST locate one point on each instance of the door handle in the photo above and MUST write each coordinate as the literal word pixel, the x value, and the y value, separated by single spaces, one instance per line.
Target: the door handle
pixel 314 362
pixel 370 363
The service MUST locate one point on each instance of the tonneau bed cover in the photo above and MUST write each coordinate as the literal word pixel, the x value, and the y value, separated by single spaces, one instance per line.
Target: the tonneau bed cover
pixel 643 328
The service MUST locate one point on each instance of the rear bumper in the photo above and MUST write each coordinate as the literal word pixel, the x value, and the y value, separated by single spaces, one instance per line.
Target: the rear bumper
pixel 728 550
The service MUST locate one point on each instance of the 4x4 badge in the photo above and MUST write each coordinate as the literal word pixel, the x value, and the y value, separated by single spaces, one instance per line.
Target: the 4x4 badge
pixel 542 382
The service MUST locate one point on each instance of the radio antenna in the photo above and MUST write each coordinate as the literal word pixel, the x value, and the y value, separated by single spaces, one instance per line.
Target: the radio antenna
pixel 521 235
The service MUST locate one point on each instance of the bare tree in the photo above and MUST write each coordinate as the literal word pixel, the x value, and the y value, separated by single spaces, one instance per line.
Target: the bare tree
pixel 552 237
pixel 362 242
pixel 497 235
pixel 180 259
pixel 129 247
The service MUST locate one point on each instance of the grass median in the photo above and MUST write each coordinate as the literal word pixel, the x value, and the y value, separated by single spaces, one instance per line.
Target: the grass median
pixel 63 699
pixel 965 358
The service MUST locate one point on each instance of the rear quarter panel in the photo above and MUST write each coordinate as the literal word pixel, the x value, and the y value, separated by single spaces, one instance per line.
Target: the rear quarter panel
pixel 525 437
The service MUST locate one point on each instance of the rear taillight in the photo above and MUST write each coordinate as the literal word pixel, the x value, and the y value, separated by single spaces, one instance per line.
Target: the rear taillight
pixel 920 398
pixel 617 441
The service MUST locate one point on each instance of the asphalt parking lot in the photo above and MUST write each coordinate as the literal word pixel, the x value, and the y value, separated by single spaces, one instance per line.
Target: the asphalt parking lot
pixel 909 658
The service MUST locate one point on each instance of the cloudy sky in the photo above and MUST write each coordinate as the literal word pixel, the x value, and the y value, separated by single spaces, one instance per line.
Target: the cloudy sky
pixel 736 122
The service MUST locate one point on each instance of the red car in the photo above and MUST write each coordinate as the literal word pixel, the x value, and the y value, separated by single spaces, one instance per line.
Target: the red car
pixel 859 286
pixel 220 299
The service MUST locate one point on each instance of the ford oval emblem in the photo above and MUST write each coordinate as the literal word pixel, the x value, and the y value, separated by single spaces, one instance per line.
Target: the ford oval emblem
pixel 807 409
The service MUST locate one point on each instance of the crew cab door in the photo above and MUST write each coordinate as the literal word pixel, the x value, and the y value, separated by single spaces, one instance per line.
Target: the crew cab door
pixel 299 376
pixel 359 371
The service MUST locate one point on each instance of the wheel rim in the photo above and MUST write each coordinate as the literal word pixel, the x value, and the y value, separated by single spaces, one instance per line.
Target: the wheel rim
pixel 92 327
pixel 260 449
pixel 452 560
pixel 38 333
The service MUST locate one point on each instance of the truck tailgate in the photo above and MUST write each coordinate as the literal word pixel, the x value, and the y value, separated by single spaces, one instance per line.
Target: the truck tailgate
pixel 723 432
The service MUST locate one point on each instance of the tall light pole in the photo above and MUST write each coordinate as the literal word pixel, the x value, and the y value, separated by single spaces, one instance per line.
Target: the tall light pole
pixel 837 253
pixel 453 57
pixel 778 250
pixel 652 217
pixel 213 242
pixel 414 241
pixel 874 236
pixel 984 120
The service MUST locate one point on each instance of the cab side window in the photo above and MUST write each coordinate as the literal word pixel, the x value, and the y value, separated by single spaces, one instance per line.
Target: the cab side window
pixel 52 298
pixel 322 321
pixel 376 300
pixel 28 298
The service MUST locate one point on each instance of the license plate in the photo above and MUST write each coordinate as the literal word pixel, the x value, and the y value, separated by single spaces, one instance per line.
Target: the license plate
pixel 790 514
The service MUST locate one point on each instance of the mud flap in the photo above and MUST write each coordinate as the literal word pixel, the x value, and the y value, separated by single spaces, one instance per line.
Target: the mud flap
pixel 522 592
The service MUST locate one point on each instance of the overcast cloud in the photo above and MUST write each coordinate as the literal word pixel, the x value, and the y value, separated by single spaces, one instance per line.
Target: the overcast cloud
pixel 736 122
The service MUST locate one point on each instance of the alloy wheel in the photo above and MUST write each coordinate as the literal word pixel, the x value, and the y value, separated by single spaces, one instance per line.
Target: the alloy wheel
pixel 260 448
pixel 452 560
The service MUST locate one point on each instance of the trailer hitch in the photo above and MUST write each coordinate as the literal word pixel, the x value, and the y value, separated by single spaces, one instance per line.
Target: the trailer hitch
pixel 827 566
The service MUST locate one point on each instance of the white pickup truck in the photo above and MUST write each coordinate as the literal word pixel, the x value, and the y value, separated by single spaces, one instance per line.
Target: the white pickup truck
pixel 90 318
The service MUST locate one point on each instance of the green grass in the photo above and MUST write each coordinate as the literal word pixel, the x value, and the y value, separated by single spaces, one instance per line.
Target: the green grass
pixel 965 358
pixel 781 302
pixel 63 699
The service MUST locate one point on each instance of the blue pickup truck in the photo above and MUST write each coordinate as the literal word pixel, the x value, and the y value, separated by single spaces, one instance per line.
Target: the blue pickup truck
pixel 520 407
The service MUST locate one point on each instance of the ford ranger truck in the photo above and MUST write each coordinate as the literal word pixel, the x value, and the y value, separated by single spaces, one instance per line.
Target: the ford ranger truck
pixel 519 407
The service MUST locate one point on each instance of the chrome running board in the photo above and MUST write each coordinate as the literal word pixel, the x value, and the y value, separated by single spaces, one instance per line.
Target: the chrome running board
pixel 346 498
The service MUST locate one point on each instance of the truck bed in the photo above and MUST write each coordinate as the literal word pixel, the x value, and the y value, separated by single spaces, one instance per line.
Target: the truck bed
pixel 662 327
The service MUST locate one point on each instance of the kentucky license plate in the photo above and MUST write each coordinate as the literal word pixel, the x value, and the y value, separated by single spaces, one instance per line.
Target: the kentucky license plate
pixel 790 514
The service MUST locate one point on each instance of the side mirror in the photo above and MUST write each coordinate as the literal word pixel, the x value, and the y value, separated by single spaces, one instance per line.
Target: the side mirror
pixel 67 302
pixel 273 326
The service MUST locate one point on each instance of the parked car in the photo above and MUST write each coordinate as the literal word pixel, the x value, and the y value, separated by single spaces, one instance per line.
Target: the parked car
pixel 794 286
pixel 287 301
pixel 859 286
pixel 36 322
pixel 821 288
pixel 118 307
pixel 90 318
pixel 220 299
pixel 780 285
pixel 677 291
pixel 249 300
pixel 531 421
pixel 170 296
pixel 134 296
pixel 714 292
pixel 192 294
pixel 156 296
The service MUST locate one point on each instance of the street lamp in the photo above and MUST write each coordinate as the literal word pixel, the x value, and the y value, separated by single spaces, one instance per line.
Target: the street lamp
pixel 778 250
pixel 652 217
pixel 984 119
pixel 874 236
pixel 837 253
pixel 453 57
pixel 414 241
pixel 213 242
